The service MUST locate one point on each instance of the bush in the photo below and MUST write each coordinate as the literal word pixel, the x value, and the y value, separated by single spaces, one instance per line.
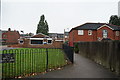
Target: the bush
pixel 76 48
pixel 66 42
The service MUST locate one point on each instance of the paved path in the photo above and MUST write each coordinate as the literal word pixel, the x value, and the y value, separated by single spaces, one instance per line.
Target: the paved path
pixel 6 48
pixel 82 68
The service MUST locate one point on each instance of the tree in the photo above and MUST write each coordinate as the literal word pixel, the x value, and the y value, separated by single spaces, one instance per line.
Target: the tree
pixel 42 26
pixel 30 34
pixel 115 20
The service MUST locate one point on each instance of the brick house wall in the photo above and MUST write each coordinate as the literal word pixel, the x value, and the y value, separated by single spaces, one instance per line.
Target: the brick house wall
pixel 74 37
pixel 31 43
pixel 116 37
pixel 111 33
pixel 11 37
pixel 71 38
pixel 27 44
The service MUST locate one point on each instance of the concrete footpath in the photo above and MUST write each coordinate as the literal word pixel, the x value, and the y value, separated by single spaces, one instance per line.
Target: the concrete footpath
pixel 4 47
pixel 82 68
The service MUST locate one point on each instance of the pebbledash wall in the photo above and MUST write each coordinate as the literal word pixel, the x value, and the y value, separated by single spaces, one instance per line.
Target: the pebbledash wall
pixel 27 44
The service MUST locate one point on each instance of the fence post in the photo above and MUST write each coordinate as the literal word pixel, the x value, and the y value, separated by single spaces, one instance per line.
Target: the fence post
pixel 69 52
pixel 72 54
pixel 46 59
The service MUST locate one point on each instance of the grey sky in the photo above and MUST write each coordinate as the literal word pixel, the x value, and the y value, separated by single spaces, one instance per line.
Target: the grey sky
pixel 60 14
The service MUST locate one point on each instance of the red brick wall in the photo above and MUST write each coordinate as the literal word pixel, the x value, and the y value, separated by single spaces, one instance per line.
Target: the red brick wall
pixel 55 44
pixel 11 37
pixel 71 37
pixel 116 37
pixel 74 37
pixel 111 33
pixel 85 37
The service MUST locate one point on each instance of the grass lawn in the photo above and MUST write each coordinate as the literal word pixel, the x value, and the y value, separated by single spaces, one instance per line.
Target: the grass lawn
pixel 32 60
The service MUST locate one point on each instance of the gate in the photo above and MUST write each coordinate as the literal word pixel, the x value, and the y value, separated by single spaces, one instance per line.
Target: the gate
pixel 69 52
pixel 23 62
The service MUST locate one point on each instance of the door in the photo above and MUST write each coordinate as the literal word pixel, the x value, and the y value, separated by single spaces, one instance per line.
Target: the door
pixel 105 33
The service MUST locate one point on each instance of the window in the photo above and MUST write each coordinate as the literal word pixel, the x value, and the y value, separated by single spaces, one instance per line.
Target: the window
pixel 80 32
pixel 36 41
pixel 89 32
pixel 117 33
pixel 49 41
pixel 21 41
pixel 105 33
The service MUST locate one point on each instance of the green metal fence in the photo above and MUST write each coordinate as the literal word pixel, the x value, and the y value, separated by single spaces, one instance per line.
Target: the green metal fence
pixel 23 62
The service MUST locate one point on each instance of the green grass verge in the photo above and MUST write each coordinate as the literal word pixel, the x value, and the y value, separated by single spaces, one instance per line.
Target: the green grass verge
pixel 31 60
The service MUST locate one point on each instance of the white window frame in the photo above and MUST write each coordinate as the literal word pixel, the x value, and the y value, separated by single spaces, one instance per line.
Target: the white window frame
pixel 20 42
pixel 80 32
pixel 49 39
pixel 89 32
pixel 49 43
pixel 117 33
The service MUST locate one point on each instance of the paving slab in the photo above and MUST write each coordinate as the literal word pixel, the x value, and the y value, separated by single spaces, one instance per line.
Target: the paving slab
pixel 82 68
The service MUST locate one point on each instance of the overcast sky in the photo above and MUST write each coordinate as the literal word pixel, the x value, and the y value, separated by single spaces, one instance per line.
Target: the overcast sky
pixel 60 14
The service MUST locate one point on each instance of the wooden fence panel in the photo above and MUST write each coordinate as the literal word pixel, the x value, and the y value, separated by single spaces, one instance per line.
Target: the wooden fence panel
pixel 106 53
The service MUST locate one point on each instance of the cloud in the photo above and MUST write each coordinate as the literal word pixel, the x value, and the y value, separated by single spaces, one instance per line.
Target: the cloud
pixel 60 0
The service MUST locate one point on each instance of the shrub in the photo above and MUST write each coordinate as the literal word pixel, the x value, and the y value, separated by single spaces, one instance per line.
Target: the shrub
pixel 76 48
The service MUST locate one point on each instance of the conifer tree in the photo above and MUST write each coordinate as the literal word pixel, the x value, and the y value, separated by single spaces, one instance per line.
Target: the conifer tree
pixel 42 26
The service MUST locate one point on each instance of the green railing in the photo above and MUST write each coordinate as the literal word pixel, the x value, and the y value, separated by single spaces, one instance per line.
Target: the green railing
pixel 23 62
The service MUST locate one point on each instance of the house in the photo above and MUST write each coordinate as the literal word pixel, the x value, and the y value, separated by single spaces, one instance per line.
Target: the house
pixel 28 35
pixel 53 35
pixel 40 41
pixel 93 32
pixel 10 37
pixel 58 36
